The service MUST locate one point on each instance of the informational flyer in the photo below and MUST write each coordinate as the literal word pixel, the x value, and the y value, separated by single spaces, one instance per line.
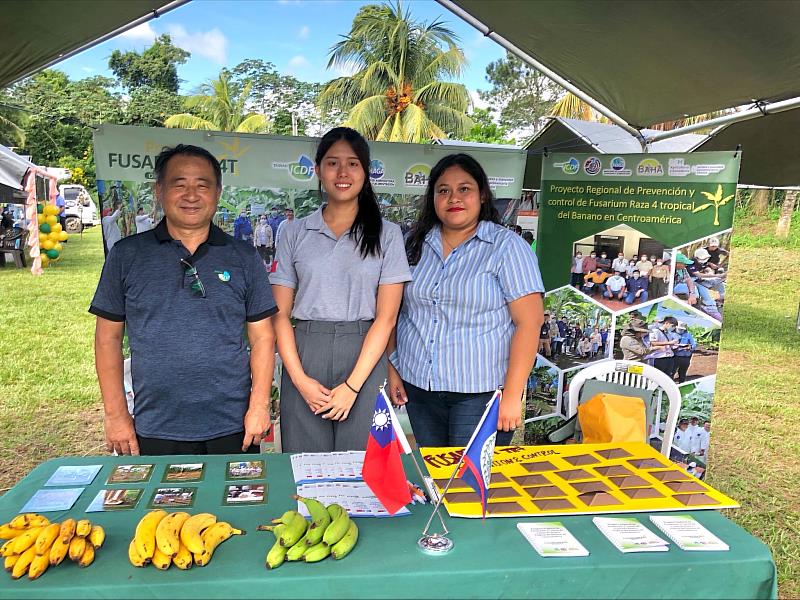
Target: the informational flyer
pixel 551 538
pixel 327 466
pixel 687 533
pixel 354 496
pixel 627 534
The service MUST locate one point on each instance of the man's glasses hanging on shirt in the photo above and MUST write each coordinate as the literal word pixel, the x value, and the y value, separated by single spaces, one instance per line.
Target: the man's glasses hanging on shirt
pixel 191 271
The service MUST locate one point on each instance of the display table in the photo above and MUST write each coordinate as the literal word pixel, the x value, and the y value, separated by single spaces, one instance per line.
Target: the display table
pixel 491 559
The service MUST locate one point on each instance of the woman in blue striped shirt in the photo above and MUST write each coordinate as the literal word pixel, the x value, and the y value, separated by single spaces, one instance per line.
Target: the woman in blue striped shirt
pixel 470 318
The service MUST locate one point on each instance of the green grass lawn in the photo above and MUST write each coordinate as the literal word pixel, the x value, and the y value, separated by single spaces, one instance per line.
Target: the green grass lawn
pixel 50 404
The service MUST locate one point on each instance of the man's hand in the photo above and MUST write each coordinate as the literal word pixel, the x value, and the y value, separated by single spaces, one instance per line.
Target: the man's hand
pixel 510 416
pixel 120 435
pixel 256 425
pixel 337 408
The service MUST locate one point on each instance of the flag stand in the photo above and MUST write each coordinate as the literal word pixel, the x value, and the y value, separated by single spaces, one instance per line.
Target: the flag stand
pixel 438 543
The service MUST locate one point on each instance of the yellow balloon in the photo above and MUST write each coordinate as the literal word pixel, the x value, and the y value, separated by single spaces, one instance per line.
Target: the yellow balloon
pixel 51 210
pixel 58 247
pixel 40 218
pixel 45 260
pixel 47 244
pixel 63 236
pixel 51 220
pixel 52 236
pixel 57 227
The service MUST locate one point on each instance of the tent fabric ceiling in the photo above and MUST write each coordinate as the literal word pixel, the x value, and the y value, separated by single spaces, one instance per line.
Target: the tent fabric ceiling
pixel 12 168
pixel 34 33
pixel 652 61
pixel 770 148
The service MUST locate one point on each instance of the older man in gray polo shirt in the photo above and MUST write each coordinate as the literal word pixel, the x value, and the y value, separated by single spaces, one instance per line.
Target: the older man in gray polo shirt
pixel 187 293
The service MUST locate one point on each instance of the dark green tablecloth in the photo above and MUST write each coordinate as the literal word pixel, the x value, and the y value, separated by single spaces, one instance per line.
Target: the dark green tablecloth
pixel 491 559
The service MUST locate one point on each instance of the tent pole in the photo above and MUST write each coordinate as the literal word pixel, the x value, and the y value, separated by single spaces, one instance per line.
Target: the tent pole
pixel 761 110
pixel 522 55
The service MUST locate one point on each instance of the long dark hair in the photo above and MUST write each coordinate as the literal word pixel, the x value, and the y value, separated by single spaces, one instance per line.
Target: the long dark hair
pixel 366 228
pixel 428 218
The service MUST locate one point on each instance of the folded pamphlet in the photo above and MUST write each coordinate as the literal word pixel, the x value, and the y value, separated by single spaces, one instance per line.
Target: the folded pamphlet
pixel 551 538
pixel 687 533
pixel 629 535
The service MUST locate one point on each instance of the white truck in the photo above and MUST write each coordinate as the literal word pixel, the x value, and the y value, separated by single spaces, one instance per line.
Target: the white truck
pixel 80 210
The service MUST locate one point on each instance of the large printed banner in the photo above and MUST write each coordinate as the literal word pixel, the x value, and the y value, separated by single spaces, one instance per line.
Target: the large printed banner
pixel 624 242
pixel 261 172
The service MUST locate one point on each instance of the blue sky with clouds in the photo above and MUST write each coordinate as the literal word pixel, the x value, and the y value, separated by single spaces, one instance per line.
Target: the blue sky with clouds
pixel 295 35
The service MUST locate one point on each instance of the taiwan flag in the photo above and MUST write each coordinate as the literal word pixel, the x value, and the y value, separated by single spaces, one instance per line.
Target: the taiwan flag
pixel 383 470
pixel 476 468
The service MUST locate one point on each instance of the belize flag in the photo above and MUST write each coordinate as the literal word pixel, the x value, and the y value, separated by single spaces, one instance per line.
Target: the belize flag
pixel 383 470
pixel 476 468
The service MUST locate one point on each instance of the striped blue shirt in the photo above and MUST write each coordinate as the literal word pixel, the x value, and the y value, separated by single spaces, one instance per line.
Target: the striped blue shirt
pixel 454 329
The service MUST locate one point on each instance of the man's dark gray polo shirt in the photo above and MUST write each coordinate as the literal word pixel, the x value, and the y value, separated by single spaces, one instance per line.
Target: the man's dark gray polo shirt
pixel 189 360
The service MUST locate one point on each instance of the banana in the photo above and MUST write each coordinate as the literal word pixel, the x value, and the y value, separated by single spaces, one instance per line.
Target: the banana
pixel 9 561
pixel 88 556
pixel 168 533
pixel 160 560
pixel 317 553
pixel 67 529
pixel 7 532
pixel 97 536
pixel 285 518
pixel 334 510
pixel 28 520
pixel 22 542
pixel 320 519
pixel 276 554
pixel 46 539
pixel 23 562
pixel 76 548
pixel 183 559
pixel 59 550
pixel 83 528
pixel 213 537
pixel 145 537
pixel 38 566
pixel 295 529
pixel 5 549
pixel 343 547
pixel 337 529
pixel 296 552
pixel 135 558
pixel 192 530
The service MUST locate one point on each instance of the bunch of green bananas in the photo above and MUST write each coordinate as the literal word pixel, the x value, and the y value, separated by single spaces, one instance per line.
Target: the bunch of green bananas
pixel 330 532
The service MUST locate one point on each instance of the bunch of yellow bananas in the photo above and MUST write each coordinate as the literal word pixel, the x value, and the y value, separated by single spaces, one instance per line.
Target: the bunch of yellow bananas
pixel 34 543
pixel 331 532
pixel 178 539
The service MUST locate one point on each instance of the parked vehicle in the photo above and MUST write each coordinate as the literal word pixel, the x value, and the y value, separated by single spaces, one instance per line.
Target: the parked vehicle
pixel 80 210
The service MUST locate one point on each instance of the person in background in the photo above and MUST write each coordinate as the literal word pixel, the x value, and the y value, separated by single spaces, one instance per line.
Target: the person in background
pixel 544 337
pixel 577 335
pixel 683 352
pixel 61 204
pixel 143 221
pixel 576 270
pixel 620 264
pixel 191 300
pixel 242 228
pixel 636 288
pixel 686 277
pixel 288 214
pixel 528 237
pixel 594 282
pixel 659 279
pixel 716 255
pixel 705 435
pixel 662 346
pixel 275 219
pixel 568 329
pixel 708 275
pixel 561 338
pixel 632 342
pixel 682 440
pixel 111 231
pixel 644 265
pixel 555 337
pixel 615 287
pixel 340 274
pixel 262 240
pixel 590 263
pixel 7 219
pixel 585 347
pixel 694 430
pixel 518 229
pixel 632 265
pixel 475 300
pixel 597 341
pixel 604 262
pixel 604 340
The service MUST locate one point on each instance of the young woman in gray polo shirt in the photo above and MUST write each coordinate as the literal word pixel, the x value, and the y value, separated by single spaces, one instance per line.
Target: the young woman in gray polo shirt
pixel 340 274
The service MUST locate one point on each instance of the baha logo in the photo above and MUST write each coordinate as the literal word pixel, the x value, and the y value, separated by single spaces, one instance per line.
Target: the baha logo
pixel 649 167
pixel 592 165
pixel 617 163
pixel 302 170
pixel 376 169
pixel 417 175
pixel 570 167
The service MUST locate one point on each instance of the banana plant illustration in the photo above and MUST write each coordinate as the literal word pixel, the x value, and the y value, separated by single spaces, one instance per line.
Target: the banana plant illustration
pixel 716 200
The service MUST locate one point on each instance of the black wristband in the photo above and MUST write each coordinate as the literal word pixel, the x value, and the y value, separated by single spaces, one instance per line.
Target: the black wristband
pixel 352 389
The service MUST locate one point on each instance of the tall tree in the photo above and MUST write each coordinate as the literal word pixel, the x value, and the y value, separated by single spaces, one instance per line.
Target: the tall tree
pixel 520 94
pixel 219 107
pixel 485 130
pixel 13 119
pixel 156 67
pixel 401 89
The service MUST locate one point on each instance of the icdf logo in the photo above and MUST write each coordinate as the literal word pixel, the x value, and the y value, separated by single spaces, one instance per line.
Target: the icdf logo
pixel 302 170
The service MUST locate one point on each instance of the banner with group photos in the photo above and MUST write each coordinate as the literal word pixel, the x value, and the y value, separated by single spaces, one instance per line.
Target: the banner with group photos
pixel 634 251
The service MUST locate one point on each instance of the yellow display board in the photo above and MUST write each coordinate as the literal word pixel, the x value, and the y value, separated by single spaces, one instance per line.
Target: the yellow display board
pixel 574 479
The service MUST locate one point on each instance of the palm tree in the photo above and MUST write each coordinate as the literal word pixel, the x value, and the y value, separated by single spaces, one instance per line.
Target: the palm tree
pixel 12 121
pixel 219 108
pixel 569 106
pixel 399 90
